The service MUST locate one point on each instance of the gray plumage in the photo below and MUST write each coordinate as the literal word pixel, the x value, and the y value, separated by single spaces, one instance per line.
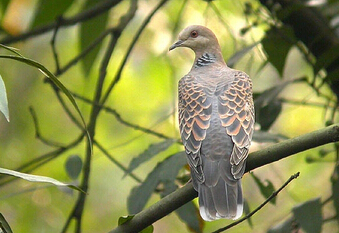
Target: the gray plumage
pixel 216 118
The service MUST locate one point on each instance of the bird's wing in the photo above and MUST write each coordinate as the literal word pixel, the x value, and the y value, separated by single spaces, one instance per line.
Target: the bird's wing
pixel 236 111
pixel 194 118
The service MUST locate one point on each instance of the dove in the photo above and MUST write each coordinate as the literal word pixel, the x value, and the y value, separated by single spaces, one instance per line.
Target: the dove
pixel 216 123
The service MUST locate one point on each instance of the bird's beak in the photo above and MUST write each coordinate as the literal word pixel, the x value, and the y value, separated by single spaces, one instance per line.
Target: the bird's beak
pixel 176 44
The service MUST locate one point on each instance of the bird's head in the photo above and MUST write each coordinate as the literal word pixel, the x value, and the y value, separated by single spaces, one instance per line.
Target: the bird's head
pixel 198 38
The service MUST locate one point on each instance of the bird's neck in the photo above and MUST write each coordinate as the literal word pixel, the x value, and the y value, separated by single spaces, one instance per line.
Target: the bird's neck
pixel 207 58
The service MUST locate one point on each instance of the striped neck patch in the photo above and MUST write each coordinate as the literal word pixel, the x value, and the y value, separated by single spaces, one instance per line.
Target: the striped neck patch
pixel 205 60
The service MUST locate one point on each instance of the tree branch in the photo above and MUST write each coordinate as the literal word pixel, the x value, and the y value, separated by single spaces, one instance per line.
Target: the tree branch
pixel 292 146
pixel 79 206
pixel 256 159
pixel 77 211
pixel 159 210
pixel 38 133
pixel 42 159
pixel 130 48
pixel 313 29
pixel 122 120
pixel 83 53
pixel 274 194
pixel 63 22
pixel 116 162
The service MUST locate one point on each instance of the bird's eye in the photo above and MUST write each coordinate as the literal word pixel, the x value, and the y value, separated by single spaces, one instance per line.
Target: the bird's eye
pixel 194 34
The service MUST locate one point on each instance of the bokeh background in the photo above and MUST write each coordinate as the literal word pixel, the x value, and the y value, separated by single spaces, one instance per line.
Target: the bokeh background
pixel 146 96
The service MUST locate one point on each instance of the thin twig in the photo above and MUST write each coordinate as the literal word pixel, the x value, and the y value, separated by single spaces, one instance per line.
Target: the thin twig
pixel 158 210
pixel 83 53
pixel 121 120
pixel 334 111
pixel 335 217
pixel 222 20
pixel 23 191
pixel 38 134
pixel 255 160
pixel 178 20
pixel 53 44
pixel 129 50
pixel 274 194
pixel 304 102
pixel 116 162
pixel 68 111
pixel 327 200
pixel 78 209
pixel 98 9
pixel 43 159
pixel 79 206
pixel 292 146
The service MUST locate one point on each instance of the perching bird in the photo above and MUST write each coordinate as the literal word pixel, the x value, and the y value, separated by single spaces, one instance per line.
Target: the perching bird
pixel 216 118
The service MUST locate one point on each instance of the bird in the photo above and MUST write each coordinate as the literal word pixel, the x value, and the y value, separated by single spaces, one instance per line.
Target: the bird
pixel 216 123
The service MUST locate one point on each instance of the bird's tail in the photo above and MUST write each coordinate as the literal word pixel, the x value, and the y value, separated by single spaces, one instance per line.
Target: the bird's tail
pixel 224 200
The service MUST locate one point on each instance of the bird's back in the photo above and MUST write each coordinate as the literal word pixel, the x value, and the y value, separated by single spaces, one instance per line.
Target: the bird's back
pixel 216 118
pixel 220 194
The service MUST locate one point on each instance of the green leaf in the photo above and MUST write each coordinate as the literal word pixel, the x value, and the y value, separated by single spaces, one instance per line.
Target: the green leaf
pixel 3 100
pixel 286 11
pixel 165 171
pixel 247 211
pixel 331 76
pixel 335 190
pixel 267 115
pixel 284 227
pixel 52 77
pixel 148 229
pixel 323 152
pixel 267 106
pixel 238 55
pixel 326 59
pixel 48 11
pixel 188 213
pixel 124 219
pixel 269 95
pixel 265 189
pixel 308 215
pixel 277 44
pixel 89 31
pixel 3 8
pixel 149 153
pixel 169 187
pixel 35 178
pixel 73 166
pixel 4 226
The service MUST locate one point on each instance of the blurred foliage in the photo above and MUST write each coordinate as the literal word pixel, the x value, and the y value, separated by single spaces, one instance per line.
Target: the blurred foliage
pixel 266 188
pixel 89 31
pixel 48 11
pixel 114 61
pixel 164 173
pixel 73 166
pixel 306 216
pixel 149 153
pixel 3 100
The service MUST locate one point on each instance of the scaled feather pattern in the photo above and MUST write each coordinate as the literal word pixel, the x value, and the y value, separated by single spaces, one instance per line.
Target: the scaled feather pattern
pixel 216 121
